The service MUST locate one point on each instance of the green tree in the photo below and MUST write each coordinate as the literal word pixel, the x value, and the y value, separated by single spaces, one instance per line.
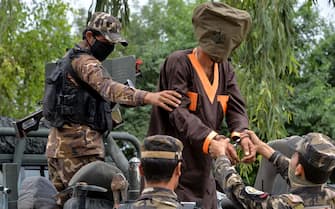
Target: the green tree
pixel 117 8
pixel 312 101
pixel 312 104
pixel 329 1
pixel 30 37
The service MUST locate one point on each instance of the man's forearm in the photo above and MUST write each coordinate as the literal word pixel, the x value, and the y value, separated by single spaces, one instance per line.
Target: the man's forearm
pixel 265 150
pixel 222 169
pixel 233 185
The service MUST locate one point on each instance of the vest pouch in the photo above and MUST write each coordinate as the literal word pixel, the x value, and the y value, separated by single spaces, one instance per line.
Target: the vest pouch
pixel 92 109
pixel 85 109
pixel 66 104
pixel 52 89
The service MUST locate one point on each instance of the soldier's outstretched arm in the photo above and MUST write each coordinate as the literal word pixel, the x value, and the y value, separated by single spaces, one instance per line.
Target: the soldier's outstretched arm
pixel 248 196
pixel 93 73
pixel 261 147
pixel 279 161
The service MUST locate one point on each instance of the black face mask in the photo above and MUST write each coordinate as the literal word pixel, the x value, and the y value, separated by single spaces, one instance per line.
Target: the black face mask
pixel 101 50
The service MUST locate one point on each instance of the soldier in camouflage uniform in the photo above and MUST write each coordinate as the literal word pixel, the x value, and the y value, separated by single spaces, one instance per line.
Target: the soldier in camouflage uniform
pixel 161 167
pixel 79 120
pixel 306 172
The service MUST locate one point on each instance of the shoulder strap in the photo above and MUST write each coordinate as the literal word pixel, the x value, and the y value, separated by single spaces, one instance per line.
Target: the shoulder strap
pixel 73 53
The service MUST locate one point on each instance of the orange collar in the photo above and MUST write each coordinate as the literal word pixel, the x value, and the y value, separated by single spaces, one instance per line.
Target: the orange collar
pixel 210 89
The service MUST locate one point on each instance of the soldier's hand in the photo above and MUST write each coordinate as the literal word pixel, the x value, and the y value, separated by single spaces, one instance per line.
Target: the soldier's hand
pixel 248 148
pixel 254 139
pixel 167 99
pixel 261 147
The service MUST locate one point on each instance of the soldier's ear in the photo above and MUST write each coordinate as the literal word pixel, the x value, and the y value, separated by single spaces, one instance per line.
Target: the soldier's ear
pixel 299 170
pixel 89 37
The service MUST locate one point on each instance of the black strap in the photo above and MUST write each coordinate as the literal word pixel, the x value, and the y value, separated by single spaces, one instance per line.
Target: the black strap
pixel 72 54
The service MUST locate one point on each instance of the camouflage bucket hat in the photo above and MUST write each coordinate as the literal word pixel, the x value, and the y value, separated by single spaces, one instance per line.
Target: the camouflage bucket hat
pixel 317 150
pixel 108 26
pixel 162 147
pixel 220 28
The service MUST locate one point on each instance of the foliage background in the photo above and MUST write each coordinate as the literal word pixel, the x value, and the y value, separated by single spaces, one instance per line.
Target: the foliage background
pixel 285 67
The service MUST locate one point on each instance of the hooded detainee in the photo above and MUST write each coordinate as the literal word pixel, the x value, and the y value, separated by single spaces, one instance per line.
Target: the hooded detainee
pixel 205 78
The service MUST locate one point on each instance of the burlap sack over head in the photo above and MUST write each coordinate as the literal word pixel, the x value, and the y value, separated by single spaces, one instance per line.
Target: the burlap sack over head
pixel 220 28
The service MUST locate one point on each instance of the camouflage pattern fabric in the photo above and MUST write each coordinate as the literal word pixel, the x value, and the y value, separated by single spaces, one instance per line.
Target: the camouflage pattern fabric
pixel 157 198
pixel 91 71
pixel 249 197
pixel 108 26
pixel 61 171
pixel 317 150
pixel 161 146
pixel 74 140
pixel 75 145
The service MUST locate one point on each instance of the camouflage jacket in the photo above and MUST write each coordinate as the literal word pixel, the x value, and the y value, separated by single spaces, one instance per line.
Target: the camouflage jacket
pixel 75 140
pixel 249 197
pixel 157 198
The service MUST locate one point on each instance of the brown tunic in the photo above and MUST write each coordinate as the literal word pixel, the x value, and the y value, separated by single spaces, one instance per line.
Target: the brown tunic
pixel 204 106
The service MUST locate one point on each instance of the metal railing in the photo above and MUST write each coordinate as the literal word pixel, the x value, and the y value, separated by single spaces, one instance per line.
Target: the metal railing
pixel 12 162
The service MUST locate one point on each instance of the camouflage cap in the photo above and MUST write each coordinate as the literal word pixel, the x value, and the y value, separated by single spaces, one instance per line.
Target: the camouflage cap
pixel 220 28
pixel 317 150
pixel 162 147
pixel 108 26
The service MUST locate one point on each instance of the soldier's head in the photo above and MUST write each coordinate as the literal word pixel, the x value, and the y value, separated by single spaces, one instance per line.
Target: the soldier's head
pixel 219 28
pixel 102 33
pixel 314 157
pixel 161 157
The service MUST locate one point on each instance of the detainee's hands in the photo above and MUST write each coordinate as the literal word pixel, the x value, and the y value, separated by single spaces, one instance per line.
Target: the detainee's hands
pixel 221 146
pixel 218 147
pixel 166 99
pixel 248 147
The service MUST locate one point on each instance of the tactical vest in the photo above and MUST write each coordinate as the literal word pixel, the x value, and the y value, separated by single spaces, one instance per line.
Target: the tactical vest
pixel 64 102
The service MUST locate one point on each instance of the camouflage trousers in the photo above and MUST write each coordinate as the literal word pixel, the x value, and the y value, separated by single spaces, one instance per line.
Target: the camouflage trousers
pixel 61 171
